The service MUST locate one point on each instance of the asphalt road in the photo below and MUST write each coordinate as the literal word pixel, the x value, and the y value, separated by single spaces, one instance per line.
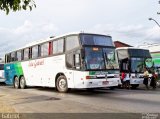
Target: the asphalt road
pixel 47 100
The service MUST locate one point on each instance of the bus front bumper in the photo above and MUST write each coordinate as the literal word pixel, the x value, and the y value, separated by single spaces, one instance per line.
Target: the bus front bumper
pixel 136 81
pixel 97 83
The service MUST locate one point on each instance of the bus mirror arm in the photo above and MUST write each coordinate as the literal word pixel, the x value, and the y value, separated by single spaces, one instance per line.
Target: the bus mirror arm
pixel 82 53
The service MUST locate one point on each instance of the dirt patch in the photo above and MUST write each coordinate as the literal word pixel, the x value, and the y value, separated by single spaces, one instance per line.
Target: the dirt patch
pixel 4 107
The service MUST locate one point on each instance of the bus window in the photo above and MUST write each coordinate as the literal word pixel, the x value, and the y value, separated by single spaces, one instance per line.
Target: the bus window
pixel 26 54
pixel 72 42
pixel 44 49
pixel 39 50
pixel 69 60
pixel 19 56
pixel 22 54
pixel 13 56
pixel 58 46
pixel 8 58
pixel 35 52
pixel 1 66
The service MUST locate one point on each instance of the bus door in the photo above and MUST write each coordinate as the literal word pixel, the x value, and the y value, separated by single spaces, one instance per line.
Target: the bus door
pixel 70 69
pixel 124 65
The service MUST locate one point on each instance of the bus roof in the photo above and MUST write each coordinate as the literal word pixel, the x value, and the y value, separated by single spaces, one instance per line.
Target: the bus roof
pixel 54 38
pixel 126 48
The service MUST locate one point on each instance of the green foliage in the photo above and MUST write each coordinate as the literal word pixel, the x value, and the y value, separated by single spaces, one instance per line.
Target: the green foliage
pixel 16 5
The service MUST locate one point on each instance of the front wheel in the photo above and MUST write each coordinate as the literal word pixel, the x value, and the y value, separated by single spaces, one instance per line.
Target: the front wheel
pixel 61 84
pixel 22 82
pixel 16 82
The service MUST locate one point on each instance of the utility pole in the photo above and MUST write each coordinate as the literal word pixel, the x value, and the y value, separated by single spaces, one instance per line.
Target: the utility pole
pixel 158 12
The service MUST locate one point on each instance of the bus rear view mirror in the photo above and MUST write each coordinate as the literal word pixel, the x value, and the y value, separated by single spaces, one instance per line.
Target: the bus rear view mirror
pixel 77 61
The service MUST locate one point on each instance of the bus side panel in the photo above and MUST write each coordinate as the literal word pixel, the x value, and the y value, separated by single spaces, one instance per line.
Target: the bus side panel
pixel 12 70
pixel 42 72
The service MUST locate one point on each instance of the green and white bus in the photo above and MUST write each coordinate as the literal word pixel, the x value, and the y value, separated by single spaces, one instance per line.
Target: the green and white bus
pixel 75 60
pixel 132 61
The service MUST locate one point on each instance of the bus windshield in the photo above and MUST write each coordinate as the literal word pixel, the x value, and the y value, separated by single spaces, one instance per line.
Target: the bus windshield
pixel 94 58
pixel 137 65
pixel 99 40
pixel 100 58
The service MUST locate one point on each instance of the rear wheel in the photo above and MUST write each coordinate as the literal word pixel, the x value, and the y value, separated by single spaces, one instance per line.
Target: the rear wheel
pixel 22 82
pixel 61 84
pixel 16 82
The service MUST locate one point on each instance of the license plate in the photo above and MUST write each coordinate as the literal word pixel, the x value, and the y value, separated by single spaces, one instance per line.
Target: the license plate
pixel 105 82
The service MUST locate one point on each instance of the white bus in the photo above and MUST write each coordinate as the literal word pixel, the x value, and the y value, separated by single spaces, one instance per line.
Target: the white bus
pixel 132 62
pixel 76 60
pixel 2 79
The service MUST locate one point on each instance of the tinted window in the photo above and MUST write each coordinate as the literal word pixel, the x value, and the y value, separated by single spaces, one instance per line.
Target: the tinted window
pixel 26 54
pixel 69 60
pixel 13 56
pixel 19 55
pixel 139 53
pixel 72 42
pixel 58 46
pixel 35 52
pixel 8 58
pixel 44 49
pixel 1 66
pixel 96 40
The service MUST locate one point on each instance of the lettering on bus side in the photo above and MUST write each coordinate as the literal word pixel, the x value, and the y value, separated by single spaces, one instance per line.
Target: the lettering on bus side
pixel 36 63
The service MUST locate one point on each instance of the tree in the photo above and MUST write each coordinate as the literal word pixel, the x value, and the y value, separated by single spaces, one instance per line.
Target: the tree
pixel 16 5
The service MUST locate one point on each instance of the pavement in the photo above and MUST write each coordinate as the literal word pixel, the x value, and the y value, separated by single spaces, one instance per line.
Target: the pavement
pixel 104 101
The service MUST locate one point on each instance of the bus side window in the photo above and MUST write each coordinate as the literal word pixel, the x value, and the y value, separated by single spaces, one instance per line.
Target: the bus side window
pixel 19 56
pixel 35 52
pixel 71 42
pixel 1 66
pixel 22 54
pixel 39 50
pixel 26 54
pixel 58 46
pixel 44 49
pixel 30 53
pixel 7 58
pixel 69 60
pixel 13 56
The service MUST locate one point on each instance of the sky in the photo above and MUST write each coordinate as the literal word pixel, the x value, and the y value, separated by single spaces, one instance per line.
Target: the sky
pixel 124 20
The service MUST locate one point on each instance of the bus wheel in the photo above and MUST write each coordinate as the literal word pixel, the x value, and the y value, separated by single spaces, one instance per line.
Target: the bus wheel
pixel 61 84
pixel 16 82
pixel 22 82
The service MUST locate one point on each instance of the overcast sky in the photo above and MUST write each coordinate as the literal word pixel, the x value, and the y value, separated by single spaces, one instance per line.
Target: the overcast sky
pixel 124 20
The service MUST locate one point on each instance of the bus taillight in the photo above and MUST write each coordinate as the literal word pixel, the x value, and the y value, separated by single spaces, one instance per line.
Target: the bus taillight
pixel 88 77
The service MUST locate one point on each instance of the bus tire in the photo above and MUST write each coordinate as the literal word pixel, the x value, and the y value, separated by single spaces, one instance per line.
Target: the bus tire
pixel 22 82
pixel 61 84
pixel 16 82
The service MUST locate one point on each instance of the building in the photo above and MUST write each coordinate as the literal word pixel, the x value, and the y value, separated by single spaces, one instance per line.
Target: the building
pixel 121 44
